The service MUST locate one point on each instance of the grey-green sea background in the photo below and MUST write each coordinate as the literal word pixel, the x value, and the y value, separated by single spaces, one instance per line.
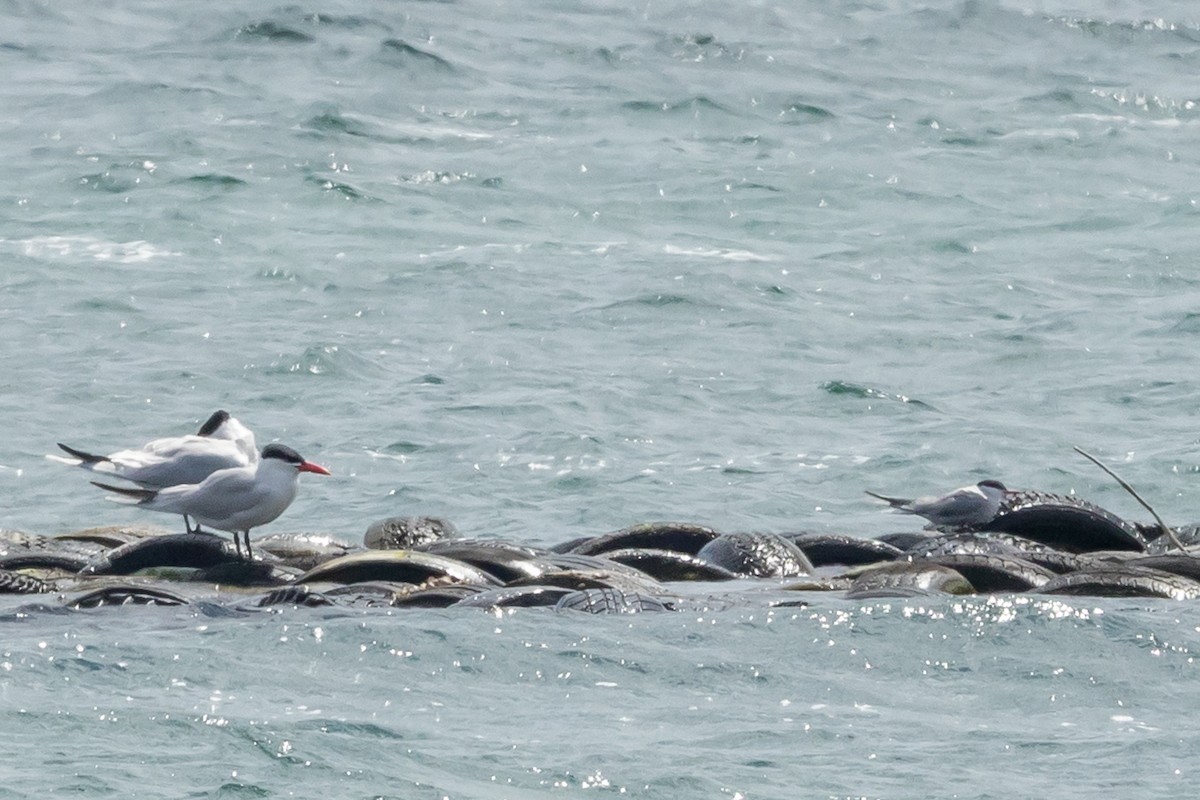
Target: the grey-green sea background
pixel 548 269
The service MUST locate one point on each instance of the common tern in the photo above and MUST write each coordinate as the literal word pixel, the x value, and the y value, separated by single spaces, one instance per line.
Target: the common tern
pixel 221 443
pixel 236 499
pixel 970 505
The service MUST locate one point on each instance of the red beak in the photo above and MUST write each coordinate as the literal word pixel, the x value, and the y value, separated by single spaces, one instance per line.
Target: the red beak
pixel 308 466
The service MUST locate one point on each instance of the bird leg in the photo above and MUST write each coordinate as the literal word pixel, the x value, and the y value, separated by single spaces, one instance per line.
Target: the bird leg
pixel 249 555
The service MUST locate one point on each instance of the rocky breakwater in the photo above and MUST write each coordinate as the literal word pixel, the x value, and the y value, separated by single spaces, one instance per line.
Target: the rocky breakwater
pixel 1035 543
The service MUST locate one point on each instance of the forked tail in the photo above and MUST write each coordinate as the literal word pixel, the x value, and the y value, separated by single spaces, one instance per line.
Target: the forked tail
pixel 86 458
pixel 139 495
pixel 894 502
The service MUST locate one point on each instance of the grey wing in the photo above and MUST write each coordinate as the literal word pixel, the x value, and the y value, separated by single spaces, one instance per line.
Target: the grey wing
pixel 197 446
pixel 221 495
pixel 181 463
pixel 190 469
pixel 955 507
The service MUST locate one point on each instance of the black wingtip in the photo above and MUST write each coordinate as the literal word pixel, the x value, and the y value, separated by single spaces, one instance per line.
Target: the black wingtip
pixel 87 458
pixel 218 419
pixel 894 502
pixel 141 494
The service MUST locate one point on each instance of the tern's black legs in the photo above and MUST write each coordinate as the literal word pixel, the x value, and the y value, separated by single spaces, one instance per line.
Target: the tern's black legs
pixel 237 540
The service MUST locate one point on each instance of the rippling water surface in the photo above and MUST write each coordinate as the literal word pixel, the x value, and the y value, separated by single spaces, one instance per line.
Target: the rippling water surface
pixel 971 698
pixel 554 269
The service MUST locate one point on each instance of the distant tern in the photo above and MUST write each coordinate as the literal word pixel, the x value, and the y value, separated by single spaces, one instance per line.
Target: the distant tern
pixel 235 499
pixel 970 505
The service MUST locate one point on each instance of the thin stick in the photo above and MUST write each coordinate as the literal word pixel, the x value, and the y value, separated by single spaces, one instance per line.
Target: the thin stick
pixel 1170 534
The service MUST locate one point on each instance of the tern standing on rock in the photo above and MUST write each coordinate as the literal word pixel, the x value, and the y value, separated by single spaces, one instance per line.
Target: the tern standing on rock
pixel 222 442
pixel 235 499
pixel 970 505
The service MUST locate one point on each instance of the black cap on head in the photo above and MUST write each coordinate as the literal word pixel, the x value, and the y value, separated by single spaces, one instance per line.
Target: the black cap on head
pixel 215 421
pixel 993 485
pixel 283 453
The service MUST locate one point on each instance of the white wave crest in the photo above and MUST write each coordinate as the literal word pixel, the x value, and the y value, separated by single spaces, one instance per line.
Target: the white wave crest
pixel 80 247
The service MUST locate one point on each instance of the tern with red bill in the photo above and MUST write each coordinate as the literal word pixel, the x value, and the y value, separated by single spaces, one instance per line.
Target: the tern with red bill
pixel 235 499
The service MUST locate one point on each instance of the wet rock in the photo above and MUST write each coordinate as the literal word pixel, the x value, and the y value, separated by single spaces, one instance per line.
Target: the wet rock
pixel 15 544
pixel 991 572
pixel 1065 523
pixel 41 560
pixel 1185 564
pixel 1120 580
pixel 19 541
pixel 1188 536
pixel 682 537
pixel 506 561
pixel 399 566
pixel 303 550
pixel 407 533
pixel 369 594
pixel 1059 562
pixel 296 595
pixel 974 542
pixel 617 577
pixel 612 601
pixel 112 535
pixel 908 579
pixel 241 572
pixel 514 597
pixel 19 583
pixel 825 583
pixel 576 561
pixel 670 565
pixel 759 555
pixel 440 596
pixel 126 595
pixel 905 540
pixel 826 549
pixel 191 550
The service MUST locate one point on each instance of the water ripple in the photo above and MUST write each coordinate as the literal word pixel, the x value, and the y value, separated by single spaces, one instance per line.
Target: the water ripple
pixel 271 31
pixel 870 393
pixel 400 53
